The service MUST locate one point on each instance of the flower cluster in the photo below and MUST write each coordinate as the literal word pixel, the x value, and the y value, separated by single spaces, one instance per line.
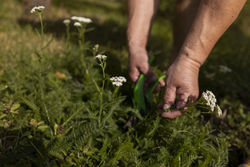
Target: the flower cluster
pixel 37 9
pixel 80 20
pixel 118 81
pixel 101 57
pixel 210 101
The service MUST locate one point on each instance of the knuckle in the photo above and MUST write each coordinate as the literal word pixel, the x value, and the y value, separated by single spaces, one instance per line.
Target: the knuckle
pixel 144 68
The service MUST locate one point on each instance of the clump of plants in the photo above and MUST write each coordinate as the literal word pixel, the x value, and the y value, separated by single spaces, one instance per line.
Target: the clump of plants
pixel 67 111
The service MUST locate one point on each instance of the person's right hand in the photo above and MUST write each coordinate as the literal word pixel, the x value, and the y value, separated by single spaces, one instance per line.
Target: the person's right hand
pixel 181 85
pixel 138 63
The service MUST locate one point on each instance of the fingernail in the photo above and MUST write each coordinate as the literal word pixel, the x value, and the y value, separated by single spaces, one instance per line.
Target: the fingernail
pixel 166 106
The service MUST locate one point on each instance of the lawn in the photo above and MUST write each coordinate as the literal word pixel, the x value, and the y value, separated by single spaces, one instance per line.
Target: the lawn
pixel 57 108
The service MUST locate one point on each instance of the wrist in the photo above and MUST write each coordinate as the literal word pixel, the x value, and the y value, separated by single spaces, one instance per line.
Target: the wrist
pixel 136 47
pixel 185 61
pixel 194 57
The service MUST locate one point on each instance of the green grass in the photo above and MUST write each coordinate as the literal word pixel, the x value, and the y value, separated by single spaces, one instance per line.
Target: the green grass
pixel 20 70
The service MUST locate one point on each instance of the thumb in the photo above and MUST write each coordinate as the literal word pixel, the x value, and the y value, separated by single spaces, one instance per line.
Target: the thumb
pixel 134 73
pixel 169 97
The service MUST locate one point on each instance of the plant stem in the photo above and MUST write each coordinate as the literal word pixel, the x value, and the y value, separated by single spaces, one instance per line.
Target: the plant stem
pixel 103 66
pixel 41 22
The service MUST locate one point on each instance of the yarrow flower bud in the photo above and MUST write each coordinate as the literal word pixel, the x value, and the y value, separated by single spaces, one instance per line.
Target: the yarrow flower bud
pixel 37 9
pixel 66 21
pixel 77 24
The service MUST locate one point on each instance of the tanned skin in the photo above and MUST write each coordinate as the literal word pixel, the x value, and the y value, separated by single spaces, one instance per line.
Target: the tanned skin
pixel 206 21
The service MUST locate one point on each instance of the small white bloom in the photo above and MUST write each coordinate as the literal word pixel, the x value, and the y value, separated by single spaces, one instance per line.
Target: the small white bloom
pixel 40 7
pixel 77 24
pixel 210 99
pixel 101 57
pixel 122 79
pixel 84 20
pixel 204 95
pixel 81 19
pixel 104 57
pixel 75 18
pixel 117 84
pixel 66 21
pixel 118 81
pixel 33 10
pixel 37 9
pixel 224 69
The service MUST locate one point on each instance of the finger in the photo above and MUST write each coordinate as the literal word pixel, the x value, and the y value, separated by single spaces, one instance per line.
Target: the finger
pixel 169 97
pixel 134 74
pixel 162 83
pixel 144 67
pixel 171 114
pixel 192 99
pixel 181 101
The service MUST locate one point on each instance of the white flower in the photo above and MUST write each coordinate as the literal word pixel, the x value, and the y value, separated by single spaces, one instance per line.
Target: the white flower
pixel 210 99
pixel 81 19
pixel 85 20
pixel 122 79
pixel 77 24
pixel 101 57
pixel 75 18
pixel 66 21
pixel 104 57
pixel 37 9
pixel 224 69
pixel 118 81
pixel 219 111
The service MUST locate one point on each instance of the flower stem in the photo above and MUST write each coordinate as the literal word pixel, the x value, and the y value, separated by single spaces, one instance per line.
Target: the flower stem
pixel 41 22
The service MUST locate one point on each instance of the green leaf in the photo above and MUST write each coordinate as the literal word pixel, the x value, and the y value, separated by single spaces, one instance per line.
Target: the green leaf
pixel 138 94
pixel 15 107
pixel 2 116
pixel 43 127
pixel 30 104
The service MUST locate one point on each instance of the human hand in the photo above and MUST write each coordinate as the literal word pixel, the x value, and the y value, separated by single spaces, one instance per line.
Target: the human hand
pixel 138 63
pixel 181 85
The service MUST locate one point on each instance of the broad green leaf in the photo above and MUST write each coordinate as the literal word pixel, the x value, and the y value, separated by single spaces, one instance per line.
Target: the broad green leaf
pixel 138 94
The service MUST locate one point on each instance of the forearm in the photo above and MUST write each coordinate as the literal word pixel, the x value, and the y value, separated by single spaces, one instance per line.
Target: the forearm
pixel 140 16
pixel 212 20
